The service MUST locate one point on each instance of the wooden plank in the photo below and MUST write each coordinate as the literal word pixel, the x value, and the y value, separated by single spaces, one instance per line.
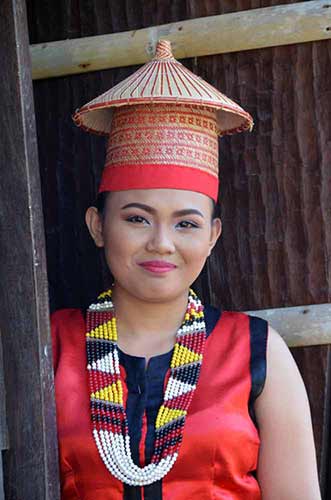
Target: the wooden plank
pixel 300 326
pixel 256 28
pixel 314 364
pixel 4 440
pixel 30 463
pixel 2 491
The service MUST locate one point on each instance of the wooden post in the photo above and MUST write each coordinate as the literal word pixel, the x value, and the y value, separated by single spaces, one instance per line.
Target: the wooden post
pixel 4 444
pixel 30 463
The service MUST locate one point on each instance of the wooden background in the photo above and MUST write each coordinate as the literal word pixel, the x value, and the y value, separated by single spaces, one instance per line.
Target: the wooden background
pixel 275 182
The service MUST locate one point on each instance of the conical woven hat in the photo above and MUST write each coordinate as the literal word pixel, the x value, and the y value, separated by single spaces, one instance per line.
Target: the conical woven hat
pixel 162 80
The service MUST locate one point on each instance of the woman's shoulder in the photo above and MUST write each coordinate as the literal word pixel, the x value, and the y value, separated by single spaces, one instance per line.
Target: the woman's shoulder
pixel 238 321
pixel 283 379
pixel 280 360
pixel 67 325
pixel 67 331
pixel 61 317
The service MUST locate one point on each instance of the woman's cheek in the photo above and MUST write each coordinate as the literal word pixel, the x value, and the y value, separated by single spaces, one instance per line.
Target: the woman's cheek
pixel 198 250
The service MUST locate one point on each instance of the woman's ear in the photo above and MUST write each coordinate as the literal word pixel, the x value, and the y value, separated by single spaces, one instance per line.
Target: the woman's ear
pixel 94 223
pixel 216 231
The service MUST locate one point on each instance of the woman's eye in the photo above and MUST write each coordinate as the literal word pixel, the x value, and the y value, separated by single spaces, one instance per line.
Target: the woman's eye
pixel 137 219
pixel 187 224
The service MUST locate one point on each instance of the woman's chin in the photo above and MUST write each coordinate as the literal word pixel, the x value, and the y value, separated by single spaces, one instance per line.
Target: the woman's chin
pixel 159 291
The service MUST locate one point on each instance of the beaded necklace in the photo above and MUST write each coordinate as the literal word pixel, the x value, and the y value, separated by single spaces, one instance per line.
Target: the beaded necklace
pixel 109 420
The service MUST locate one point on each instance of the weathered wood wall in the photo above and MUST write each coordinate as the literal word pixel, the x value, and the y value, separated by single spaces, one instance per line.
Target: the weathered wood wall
pixel 275 182
pixel 27 421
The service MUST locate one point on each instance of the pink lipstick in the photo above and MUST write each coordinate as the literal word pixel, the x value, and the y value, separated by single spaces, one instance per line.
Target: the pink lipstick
pixel 157 266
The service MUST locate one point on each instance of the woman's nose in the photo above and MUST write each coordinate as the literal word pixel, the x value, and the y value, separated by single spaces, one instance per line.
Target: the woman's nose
pixel 161 241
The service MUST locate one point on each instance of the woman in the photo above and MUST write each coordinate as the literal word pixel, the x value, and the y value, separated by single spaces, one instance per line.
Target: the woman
pixel 157 396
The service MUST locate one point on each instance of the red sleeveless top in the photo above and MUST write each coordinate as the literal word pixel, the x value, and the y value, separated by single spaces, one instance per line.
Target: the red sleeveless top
pixel 219 452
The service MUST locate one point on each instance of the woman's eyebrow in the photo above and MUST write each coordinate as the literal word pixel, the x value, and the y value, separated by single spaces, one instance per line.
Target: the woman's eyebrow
pixel 188 211
pixel 147 208
pixel 151 210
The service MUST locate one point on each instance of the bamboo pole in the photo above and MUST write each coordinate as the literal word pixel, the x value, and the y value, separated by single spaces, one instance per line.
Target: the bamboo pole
pixel 245 30
pixel 300 326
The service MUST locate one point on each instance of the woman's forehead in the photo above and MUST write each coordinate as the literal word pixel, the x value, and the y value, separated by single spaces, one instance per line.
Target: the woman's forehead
pixel 170 199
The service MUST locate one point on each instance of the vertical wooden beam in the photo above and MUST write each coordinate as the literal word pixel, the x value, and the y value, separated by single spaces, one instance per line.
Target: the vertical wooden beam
pixel 30 464
pixel 4 444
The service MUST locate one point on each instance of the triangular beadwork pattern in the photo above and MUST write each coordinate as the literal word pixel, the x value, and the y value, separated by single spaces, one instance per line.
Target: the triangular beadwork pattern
pixel 189 371
pixel 109 421
pixel 93 353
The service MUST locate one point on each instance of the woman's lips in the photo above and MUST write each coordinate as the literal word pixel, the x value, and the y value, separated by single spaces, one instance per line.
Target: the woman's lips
pixel 157 266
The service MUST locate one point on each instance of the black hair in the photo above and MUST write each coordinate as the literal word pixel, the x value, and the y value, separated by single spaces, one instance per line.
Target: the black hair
pixel 101 202
pixel 102 197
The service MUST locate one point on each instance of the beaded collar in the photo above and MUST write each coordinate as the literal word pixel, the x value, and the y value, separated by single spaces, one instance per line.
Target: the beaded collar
pixel 109 420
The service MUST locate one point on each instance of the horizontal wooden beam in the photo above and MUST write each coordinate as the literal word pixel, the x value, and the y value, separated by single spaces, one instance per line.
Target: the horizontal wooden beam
pixel 237 31
pixel 300 326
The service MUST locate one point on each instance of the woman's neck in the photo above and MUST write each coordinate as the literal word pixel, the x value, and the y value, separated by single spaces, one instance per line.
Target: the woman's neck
pixel 147 328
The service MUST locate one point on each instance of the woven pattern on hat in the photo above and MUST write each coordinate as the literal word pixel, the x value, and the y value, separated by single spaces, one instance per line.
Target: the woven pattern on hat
pixel 164 135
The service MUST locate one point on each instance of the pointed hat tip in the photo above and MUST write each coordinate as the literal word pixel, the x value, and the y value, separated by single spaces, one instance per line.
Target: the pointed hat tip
pixel 163 50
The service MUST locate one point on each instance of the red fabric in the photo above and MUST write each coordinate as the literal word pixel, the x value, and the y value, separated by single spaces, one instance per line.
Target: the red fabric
pixel 142 455
pixel 220 443
pixel 123 177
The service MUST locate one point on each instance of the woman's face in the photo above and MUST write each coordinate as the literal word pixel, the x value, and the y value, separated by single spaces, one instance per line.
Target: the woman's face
pixel 156 241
